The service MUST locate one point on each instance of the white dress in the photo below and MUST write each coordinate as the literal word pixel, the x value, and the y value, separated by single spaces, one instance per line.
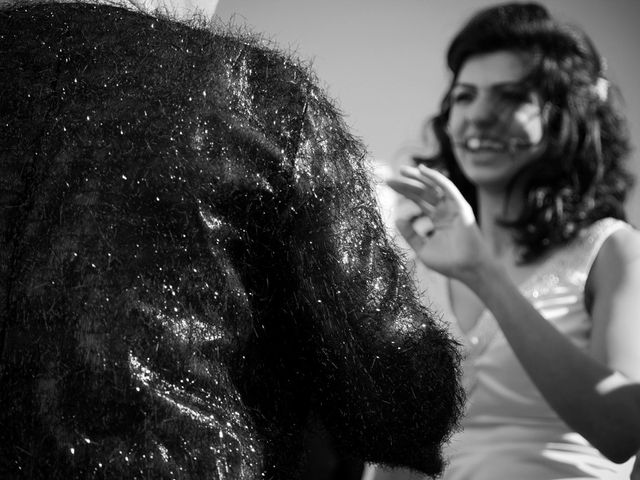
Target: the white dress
pixel 509 430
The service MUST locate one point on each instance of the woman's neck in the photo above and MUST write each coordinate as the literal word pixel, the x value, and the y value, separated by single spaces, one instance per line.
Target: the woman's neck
pixel 495 205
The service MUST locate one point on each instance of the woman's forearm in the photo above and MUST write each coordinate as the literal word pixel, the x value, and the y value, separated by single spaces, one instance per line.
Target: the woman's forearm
pixel 568 377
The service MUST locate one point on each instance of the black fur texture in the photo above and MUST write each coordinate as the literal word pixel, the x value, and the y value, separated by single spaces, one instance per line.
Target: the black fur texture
pixel 194 276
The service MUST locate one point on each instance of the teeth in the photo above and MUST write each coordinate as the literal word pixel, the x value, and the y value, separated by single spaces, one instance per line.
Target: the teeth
pixel 475 143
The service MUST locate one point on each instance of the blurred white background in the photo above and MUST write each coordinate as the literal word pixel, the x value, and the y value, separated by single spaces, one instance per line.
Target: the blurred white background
pixel 383 61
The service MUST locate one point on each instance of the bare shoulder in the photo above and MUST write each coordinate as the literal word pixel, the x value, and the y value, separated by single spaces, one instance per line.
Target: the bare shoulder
pixel 611 296
pixel 619 250
pixel 618 258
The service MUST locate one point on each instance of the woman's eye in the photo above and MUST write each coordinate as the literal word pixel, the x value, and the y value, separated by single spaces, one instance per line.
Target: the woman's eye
pixel 515 96
pixel 460 97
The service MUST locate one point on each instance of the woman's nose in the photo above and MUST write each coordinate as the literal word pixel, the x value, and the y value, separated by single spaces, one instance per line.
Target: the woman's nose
pixel 483 110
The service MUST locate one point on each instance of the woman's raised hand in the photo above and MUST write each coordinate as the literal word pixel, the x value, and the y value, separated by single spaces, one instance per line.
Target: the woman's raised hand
pixel 453 244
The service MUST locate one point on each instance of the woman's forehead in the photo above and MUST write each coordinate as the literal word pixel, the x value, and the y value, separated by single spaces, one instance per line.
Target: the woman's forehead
pixel 500 67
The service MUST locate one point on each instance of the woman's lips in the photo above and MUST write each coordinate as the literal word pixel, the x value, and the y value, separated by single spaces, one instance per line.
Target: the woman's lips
pixel 478 144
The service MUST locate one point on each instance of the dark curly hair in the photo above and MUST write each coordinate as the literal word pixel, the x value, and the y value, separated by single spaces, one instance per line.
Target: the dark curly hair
pixel 581 176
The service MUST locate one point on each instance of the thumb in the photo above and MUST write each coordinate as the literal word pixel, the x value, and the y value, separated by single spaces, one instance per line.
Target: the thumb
pixel 413 238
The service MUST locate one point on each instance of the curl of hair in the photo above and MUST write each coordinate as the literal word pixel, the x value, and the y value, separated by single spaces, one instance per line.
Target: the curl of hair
pixel 581 177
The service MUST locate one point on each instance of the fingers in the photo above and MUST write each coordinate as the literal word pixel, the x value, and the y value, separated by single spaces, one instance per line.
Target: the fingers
pixel 431 188
pixel 431 179
pixel 431 176
pixel 413 238
pixel 451 191
pixel 415 191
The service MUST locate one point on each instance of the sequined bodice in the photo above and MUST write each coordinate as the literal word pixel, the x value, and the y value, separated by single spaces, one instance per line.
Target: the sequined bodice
pixel 556 290
pixel 509 430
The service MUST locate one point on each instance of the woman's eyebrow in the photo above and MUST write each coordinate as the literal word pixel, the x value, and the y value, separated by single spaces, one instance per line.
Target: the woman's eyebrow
pixel 493 86
pixel 463 85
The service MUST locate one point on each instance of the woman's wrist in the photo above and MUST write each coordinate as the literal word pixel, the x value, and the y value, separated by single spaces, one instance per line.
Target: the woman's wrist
pixel 484 276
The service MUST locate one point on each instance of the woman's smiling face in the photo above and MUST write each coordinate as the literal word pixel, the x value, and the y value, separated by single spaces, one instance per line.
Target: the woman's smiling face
pixel 496 120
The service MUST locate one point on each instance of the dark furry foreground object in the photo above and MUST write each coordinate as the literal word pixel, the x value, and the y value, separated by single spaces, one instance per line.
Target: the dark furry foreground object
pixel 194 278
